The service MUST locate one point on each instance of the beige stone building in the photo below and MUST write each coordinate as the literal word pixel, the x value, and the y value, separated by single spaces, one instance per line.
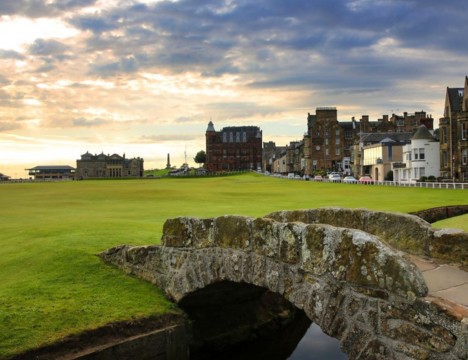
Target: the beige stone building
pixel 453 132
pixel 108 166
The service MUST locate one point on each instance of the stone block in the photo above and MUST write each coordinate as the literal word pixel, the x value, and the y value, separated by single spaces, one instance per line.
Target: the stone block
pixel 290 236
pixel 177 232
pixel 202 233
pixel 232 232
pixel 265 238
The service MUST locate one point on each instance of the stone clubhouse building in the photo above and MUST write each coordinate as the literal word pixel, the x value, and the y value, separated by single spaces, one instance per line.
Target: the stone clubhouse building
pixel 108 166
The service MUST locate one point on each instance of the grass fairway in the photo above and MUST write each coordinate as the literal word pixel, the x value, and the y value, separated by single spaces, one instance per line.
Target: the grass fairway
pixel 51 282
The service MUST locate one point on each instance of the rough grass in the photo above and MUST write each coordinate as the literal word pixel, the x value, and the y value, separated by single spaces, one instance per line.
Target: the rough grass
pixel 52 284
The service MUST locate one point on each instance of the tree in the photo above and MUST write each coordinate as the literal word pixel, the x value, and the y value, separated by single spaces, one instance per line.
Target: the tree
pixel 200 158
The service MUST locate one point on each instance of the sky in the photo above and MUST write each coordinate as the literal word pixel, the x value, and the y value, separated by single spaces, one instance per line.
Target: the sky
pixel 144 77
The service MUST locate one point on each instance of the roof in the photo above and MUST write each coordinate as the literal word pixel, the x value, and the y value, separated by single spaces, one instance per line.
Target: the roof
pixel 210 126
pixel 422 134
pixel 374 138
pixel 240 128
pixel 455 96
pixel 52 167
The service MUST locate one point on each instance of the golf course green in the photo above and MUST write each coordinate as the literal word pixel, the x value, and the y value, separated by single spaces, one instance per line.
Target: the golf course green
pixel 52 284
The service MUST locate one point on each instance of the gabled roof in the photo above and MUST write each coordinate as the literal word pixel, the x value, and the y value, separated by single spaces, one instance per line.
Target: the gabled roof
pixel 387 140
pixel 422 134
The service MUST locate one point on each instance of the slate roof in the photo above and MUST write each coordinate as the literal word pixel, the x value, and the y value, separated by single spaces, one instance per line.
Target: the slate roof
pixel 422 134
pixel 455 96
pixel 374 138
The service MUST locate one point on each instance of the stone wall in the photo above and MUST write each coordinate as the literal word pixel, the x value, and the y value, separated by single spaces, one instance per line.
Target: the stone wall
pixel 348 281
pixel 441 213
pixel 404 232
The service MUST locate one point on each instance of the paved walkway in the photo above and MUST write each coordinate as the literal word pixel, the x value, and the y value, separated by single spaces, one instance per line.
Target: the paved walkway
pixel 447 282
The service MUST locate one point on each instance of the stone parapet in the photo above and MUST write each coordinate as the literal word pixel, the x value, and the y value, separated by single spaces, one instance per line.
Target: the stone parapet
pixel 404 232
pixel 331 263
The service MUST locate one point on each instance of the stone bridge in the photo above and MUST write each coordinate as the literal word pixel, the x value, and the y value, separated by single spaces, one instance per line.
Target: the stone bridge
pixel 342 267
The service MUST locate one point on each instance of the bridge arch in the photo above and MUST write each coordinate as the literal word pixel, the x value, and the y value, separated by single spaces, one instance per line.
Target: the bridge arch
pixel 347 281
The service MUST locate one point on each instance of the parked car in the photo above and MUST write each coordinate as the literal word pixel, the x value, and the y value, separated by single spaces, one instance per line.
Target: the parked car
pixel 350 179
pixel 318 178
pixel 297 177
pixel 334 177
pixel 366 180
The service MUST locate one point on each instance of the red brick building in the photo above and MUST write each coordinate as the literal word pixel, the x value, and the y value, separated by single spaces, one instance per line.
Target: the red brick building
pixel 233 148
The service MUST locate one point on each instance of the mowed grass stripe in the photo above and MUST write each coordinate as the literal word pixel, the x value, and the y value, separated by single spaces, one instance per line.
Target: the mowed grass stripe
pixel 52 284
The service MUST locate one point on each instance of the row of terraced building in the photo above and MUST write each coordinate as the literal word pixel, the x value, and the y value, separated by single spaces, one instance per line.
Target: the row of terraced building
pixel 346 146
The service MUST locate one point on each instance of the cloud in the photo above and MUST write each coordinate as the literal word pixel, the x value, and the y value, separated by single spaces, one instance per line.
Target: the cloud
pixel 96 23
pixel 272 43
pixel 10 54
pixel 166 137
pixel 47 47
pixel 125 65
pixel 4 80
pixel 96 122
pixel 41 8
pixel 8 126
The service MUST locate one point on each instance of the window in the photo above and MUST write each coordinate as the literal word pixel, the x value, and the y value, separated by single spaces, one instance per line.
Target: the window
pixel 416 173
pixel 422 172
pixel 326 151
pixel 418 154
pixel 444 135
pixel 337 141
pixel 464 156
pixel 337 132
pixel 326 141
pixel 337 151
pixel 445 158
pixel 464 131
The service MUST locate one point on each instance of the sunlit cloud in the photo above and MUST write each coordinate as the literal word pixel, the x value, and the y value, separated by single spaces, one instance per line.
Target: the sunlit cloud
pixel 146 76
pixel 23 31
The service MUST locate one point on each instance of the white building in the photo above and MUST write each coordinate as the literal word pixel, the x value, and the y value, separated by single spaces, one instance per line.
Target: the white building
pixel 420 158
